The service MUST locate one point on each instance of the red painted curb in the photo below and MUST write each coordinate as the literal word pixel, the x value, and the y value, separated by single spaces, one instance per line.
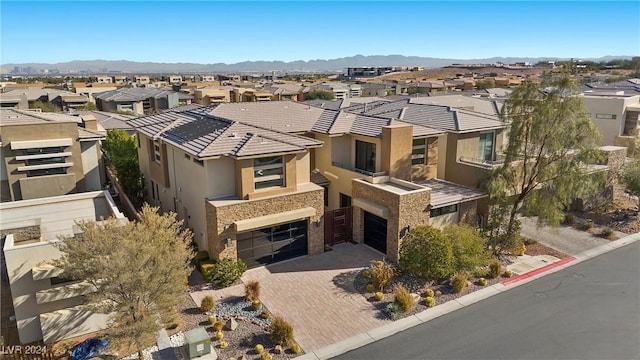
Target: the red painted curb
pixel 538 270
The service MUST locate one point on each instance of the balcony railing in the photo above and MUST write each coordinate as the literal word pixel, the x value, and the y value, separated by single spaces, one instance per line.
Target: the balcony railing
pixel 499 160
pixel 359 171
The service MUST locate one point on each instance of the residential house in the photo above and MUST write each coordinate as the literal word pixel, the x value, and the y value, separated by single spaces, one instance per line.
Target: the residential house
pixel 141 80
pixel 286 91
pixel 213 94
pixel 104 80
pixel 175 79
pixel 241 94
pixel 62 99
pixel 47 306
pixel 615 115
pixel 140 101
pixel 104 120
pixel 90 89
pixel 48 154
pixel 15 101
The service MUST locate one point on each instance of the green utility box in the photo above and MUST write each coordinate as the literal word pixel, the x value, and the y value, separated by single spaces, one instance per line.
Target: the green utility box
pixel 197 343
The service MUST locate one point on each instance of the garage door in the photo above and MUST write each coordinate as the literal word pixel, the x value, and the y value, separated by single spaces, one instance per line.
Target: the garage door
pixel 272 244
pixel 375 232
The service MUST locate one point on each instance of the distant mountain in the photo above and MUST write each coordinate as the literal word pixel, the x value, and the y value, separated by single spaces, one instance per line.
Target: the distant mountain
pixel 332 65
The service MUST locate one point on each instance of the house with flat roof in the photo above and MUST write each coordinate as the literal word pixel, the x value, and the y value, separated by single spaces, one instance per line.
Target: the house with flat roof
pixel 140 101
pixel 47 306
pixel 616 115
pixel 105 120
pixel 62 99
pixel 48 154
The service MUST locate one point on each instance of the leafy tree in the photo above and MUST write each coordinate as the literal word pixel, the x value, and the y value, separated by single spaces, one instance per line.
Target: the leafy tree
pixel 121 155
pixel 428 252
pixel 138 270
pixel 551 140
pixel 630 178
pixel 45 106
pixel 319 94
pixel 485 84
pixel 469 248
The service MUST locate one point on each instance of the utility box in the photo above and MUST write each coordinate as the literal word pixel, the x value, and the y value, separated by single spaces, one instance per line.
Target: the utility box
pixel 197 343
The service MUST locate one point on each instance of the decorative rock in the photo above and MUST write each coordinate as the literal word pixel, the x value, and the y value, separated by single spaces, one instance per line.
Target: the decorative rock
pixel 279 349
pixel 416 298
pixel 243 358
pixel 231 324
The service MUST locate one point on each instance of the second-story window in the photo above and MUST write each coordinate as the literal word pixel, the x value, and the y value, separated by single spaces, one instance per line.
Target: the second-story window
pixel 157 157
pixel 365 156
pixel 419 153
pixel 268 172
pixel 486 147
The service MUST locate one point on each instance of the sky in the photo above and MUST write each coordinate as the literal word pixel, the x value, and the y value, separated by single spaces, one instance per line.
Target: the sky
pixel 224 31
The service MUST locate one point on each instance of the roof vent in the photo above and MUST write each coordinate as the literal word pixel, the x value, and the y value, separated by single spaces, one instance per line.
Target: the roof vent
pixel 234 135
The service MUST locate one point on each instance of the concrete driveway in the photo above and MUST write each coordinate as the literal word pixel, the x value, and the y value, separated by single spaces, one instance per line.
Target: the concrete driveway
pixel 316 294
pixel 565 238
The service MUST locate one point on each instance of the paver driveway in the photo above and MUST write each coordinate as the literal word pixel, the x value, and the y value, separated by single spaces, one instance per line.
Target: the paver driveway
pixel 315 293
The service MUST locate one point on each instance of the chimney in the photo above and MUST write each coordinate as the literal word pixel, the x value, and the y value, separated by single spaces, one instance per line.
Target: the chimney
pixel 89 122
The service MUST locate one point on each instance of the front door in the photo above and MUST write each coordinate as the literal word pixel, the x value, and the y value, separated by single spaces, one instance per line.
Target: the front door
pixel 337 226
pixel 375 232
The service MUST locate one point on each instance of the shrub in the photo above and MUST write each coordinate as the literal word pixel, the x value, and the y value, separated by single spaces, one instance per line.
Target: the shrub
pixel 429 293
pixel 218 325
pixel 430 301
pixel 495 268
pixel 281 332
pixel 207 304
pixel 606 232
pixel 482 271
pixel 482 281
pixel 207 268
pixel 459 282
pixel 259 348
pixel 393 311
pixel 403 299
pixel 428 252
pixel 507 273
pixel 256 305
pixel 381 273
pixel 469 247
pixel 212 320
pixel 252 290
pixel 266 356
pixel 223 345
pixel 379 296
pixel 200 256
pixel 265 314
pixel 219 335
pixel 226 271
pixel 569 219
pixel 295 348
pixel 366 274
pixel 370 287
pixel 588 225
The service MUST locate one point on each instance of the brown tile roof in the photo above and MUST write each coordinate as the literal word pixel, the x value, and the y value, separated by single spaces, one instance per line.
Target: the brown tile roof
pixel 445 193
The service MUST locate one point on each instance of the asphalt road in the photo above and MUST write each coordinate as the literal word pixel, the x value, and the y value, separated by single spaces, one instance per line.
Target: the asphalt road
pixel 587 311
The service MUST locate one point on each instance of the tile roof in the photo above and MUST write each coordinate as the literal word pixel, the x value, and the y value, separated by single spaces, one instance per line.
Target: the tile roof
pixel 445 193
pixel 137 94
pixel 481 105
pixel 203 134
pixel 325 104
pixel 34 93
pixel 107 120
pixel 17 117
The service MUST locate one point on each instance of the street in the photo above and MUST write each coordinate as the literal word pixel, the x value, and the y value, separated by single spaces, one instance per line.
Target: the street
pixel 587 311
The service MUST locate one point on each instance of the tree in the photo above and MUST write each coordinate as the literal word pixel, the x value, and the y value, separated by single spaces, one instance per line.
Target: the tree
pixel 45 106
pixel 319 94
pixel 630 178
pixel 426 251
pixel 485 84
pixel 139 271
pixel 121 155
pixel 551 140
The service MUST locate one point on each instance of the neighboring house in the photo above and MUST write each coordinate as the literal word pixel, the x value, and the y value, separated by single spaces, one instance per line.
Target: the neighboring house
pixel 615 115
pixel 90 89
pixel 104 80
pixel 175 79
pixel 286 91
pixel 240 94
pixel 106 120
pixel 212 95
pixel 62 99
pixel 48 154
pixel 140 101
pixel 142 80
pixel 340 90
pixel 14 101
pixel 48 306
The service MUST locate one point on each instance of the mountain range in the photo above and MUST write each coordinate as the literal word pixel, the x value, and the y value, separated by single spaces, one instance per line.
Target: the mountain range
pixel 311 66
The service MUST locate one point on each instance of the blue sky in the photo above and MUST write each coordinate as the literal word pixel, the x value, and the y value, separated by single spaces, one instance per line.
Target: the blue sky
pixel 225 31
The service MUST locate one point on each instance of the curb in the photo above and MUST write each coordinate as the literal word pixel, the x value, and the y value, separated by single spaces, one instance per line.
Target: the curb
pixel 397 326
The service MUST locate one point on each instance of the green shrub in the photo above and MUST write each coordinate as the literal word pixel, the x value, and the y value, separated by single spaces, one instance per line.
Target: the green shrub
pixel 403 299
pixel 266 314
pixel 266 356
pixel 219 335
pixel 212 320
pixel 482 271
pixel 393 311
pixel 223 345
pixel 200 256
pixel 381 273
pixel 366 274
pixel 426 251
pixel 606 232
pixel 495 268
pixel 588 225
pixel 252 290
pixel 207 268
pixel 379 296
pixel 259 348
pixel 430 301
pixel 256 305
pixel 482 281
pixel 281 332
pixel 469 247
pixel 295 348
pixel 370 287
pixel 459 282
pixel 218 325
pixel 227 271
pixel 569 220
pixel 207 304
pixel 507 273
pixel 429 293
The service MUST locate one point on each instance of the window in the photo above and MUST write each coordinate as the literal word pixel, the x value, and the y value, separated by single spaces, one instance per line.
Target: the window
pixel 44 172
pixel 156 152
pixel 57 280
pixel 268 172
pixel 606 116
pixel 365 156
pixel 486 147
pixel 326 195
pixel 44 161
pixel 153 190
pixel 345 200
pixel 444 210
pixel 419 153
pixel 48 150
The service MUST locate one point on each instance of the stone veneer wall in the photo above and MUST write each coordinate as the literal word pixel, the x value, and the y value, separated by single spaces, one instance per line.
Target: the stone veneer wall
pixel 403 210
pixel 615 160
pixel 467 212
pixel 220 216
pixel 23 233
